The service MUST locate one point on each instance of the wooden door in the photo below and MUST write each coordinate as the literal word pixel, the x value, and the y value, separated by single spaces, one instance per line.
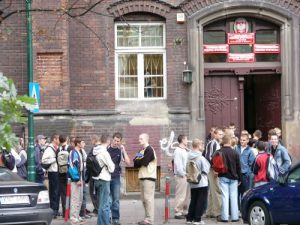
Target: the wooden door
pixel 221 94
pixel 268 102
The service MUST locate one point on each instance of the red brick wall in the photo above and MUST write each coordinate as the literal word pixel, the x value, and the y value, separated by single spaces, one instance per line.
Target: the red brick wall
pixel 13 46
pixel 51 55
pixel 50 77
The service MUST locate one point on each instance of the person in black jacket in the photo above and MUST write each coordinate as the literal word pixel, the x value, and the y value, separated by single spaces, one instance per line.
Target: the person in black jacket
pixel 229 181
pixel 146 161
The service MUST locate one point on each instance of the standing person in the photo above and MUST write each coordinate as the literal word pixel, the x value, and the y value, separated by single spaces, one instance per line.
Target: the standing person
pixel 214 192
pixel 182 194
pixel 38 152
pixel 89 179
pixel 280 155
pixel 117 153
pixel 246 159
pixel 229 181
pixel 83 211
pixel 210 136
pixel 75 162
pixel 49 158
pixel 102 181
pixel 62 160
pixel 146 161
pixel 198 191
pixel 260 165
pixel 22 166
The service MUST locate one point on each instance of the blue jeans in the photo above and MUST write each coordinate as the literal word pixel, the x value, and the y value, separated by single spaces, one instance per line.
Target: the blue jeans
pixel 229 191
pixel 115 185
pixel 102 188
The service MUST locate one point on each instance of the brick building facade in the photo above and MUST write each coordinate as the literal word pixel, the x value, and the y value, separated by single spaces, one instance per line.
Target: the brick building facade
pixel 93 69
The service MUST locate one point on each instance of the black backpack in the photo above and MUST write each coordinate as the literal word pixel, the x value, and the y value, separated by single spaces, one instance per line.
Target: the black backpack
pixel 8 159
pixel 92 165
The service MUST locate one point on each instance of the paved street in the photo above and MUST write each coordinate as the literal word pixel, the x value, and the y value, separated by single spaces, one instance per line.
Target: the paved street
pixel 132 211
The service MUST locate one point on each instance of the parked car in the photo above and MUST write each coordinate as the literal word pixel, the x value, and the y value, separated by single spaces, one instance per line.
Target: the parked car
pixel 23 202
pixel 277 202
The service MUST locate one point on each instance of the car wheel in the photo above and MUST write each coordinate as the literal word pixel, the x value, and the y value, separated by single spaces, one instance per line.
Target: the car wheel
pixel 258 214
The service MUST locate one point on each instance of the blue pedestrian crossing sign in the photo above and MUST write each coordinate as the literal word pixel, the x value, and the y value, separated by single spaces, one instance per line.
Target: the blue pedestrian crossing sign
pixel 34 92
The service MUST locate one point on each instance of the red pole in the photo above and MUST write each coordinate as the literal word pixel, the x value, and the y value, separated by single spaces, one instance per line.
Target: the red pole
pixel 167 199
pixel 67 211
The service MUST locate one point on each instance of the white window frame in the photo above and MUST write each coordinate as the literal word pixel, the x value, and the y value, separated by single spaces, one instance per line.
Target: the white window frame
pixel 141 51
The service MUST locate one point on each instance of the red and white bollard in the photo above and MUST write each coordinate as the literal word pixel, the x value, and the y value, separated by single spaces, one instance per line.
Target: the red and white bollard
pixel 167 199
pixel 67 211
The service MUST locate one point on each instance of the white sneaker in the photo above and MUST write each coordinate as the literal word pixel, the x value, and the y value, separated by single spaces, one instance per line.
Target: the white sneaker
pixel 199 223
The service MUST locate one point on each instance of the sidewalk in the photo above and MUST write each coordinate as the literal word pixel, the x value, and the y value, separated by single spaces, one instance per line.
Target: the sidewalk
pixel 132 211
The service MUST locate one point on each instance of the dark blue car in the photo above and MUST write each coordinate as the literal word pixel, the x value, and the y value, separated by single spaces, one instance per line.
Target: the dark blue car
pixel 274 203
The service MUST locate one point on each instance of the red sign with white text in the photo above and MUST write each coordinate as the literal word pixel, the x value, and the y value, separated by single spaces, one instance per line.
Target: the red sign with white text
pixel 241 57
pixel 222 48
pixel 240 39
pixel 266 48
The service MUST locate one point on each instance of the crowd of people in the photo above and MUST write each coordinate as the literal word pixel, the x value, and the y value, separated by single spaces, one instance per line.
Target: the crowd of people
pixel 218 194
pixel 65 158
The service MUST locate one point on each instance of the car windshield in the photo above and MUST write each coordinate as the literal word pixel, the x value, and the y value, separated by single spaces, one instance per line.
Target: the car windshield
pixel 6 175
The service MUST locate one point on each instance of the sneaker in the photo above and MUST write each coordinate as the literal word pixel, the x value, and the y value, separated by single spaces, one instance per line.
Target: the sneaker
pixel 180 217
pixel 87 211
pixel 219 219
pixel 75 221
pixel 86 216
pixel 199 223
pixel 189 223
pixel 116 222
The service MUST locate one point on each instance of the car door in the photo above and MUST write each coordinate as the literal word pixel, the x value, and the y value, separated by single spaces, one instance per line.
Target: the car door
pixel 285 200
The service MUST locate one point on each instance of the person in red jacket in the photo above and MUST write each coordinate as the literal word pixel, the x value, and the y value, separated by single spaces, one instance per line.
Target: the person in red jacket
pixel 260 165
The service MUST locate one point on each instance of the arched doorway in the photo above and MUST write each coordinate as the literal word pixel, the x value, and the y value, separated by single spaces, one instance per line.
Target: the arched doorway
pixel 242 70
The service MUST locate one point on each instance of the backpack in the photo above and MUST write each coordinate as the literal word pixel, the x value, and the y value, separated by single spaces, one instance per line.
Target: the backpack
pixel 193 173
pixel 219 164
pixel 8 159
pixel 46 166
pixel 92 165
pixel 62 161
pixel 272 170
pixel 73 171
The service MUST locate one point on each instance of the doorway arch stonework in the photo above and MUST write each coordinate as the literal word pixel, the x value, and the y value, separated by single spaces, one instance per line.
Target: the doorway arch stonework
pixel 284 14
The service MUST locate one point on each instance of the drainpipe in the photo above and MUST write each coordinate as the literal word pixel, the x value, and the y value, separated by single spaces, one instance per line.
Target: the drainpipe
pixel 30 149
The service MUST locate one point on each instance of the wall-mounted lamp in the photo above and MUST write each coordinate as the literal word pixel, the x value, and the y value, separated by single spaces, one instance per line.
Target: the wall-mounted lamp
pixel 187 75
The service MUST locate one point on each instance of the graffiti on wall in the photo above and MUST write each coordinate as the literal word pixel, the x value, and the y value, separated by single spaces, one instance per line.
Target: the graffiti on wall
pixel 168 145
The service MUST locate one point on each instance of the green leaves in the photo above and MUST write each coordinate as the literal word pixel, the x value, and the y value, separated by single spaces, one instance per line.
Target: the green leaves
pixel 11 111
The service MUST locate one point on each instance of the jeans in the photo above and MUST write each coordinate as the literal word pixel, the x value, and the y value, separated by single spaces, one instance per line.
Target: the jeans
pixel 244 186
pixel 54 191
pixel 103 191
pixel 83 206
pixel 229 190
pixel 115 185
pixel 197 204
pixel 93 194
